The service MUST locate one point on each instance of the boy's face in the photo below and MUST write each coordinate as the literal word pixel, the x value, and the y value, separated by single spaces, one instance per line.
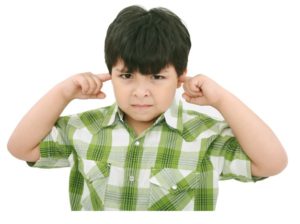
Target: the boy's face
pixel 143 98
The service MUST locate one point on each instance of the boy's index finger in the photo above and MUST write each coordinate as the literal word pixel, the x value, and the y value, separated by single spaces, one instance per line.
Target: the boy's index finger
pixel 104 77
pixel 183 78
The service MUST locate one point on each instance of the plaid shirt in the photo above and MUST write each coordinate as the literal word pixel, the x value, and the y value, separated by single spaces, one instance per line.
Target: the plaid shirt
pixel 174 165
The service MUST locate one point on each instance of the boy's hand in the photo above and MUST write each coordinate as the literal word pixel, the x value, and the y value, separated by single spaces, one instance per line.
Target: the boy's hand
pixel 201 90
pixel 84 86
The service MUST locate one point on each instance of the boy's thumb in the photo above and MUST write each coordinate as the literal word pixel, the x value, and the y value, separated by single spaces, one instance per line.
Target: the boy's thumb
pixel 101 95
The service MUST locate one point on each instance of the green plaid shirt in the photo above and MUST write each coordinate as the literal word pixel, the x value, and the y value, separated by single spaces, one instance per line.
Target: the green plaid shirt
pixel 174 165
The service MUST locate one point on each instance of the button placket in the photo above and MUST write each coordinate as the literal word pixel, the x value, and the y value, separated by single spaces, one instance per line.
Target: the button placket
pixel 132 156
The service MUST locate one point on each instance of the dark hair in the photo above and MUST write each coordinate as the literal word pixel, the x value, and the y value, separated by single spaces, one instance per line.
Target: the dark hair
pixel 147 41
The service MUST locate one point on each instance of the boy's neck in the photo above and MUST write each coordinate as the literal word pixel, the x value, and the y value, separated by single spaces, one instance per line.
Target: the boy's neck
pixel 138 126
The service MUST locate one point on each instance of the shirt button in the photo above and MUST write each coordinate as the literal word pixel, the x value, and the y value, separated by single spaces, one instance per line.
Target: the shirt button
pixel 137 143
pixel 174 187
pixel 131 178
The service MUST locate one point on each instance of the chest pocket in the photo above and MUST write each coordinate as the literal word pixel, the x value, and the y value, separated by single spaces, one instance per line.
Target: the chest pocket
pixel 177 189
pixel 95 174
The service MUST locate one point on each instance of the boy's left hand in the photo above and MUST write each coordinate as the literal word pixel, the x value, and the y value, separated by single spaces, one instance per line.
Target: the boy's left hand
pixel 201 90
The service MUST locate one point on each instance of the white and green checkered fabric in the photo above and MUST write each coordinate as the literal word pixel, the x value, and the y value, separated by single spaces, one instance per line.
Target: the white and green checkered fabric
pixel 174 165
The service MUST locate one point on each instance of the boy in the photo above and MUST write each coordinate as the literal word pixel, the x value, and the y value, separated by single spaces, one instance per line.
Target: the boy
pixel 145 152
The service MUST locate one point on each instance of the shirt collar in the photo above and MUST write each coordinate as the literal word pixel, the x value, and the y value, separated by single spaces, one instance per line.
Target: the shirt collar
pixel 174 116
pixel 113 114
pixel 95 120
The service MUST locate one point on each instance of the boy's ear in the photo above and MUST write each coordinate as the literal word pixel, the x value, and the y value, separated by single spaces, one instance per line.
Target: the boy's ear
pixel 181 78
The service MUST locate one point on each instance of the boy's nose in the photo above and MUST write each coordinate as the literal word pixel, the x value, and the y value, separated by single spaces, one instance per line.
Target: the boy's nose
pixel 141 89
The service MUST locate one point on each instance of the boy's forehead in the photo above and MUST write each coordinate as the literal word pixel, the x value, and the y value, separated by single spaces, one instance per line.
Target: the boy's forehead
pixel 120 64
pixel 121 67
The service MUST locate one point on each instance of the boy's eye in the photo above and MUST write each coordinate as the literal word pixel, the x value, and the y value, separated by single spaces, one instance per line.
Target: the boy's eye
pixel 157 77
pixel 125 75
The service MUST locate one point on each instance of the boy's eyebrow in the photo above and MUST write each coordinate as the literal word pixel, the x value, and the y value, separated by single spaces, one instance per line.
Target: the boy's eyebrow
pixel 125 71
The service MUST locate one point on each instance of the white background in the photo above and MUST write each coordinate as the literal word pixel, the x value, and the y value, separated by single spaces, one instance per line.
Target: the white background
pixel 250 47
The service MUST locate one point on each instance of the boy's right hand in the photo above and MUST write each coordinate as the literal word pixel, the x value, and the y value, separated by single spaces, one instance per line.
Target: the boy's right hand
pixel 38 122
pixel 84 86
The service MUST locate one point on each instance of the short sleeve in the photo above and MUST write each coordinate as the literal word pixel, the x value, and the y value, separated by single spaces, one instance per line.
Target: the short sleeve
pixel 56 147
pixel 228 158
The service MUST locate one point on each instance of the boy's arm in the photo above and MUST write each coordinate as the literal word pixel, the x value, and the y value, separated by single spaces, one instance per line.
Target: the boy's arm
pixel 38 122
pixel 265 151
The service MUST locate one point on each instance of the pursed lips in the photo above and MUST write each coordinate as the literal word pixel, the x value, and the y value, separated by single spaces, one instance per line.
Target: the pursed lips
pixel 141 106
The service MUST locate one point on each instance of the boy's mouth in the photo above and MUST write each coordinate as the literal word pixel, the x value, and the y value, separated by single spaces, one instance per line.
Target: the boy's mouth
pixel 141 106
